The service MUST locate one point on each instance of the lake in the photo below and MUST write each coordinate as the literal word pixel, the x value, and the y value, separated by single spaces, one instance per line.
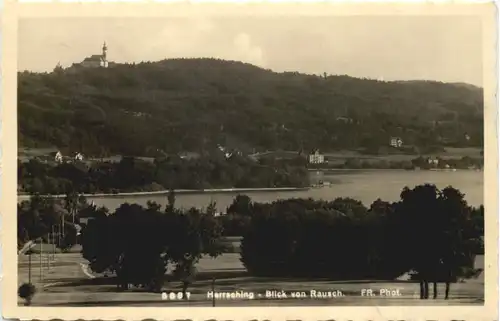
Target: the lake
pixel 365 186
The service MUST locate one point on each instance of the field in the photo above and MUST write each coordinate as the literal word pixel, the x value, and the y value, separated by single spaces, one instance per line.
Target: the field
pixel 67 282
pixel 339 157
pixel 450 152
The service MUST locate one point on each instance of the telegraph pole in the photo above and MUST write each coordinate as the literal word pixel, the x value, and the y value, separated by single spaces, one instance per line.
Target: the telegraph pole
pixel 59 235
pixel 41 262
pixel 29 266
pixel 62 226
pixel 213 292
pixel 48 252
pixel 53 244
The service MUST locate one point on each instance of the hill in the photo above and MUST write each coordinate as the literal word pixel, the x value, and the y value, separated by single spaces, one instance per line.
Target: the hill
pixel 194 104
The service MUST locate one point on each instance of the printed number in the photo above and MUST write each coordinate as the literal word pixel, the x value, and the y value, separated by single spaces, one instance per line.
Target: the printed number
pixel 174 295
pixel 169 296
pixel 180 296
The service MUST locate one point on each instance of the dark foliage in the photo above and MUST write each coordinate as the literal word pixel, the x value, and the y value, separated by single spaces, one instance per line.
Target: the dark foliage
pixel 421 162
pixel 39 216
pixel 139 243
pixel 427 231
pixel 26 292
pixel 194 104
pixel 432 232
pixel 133 175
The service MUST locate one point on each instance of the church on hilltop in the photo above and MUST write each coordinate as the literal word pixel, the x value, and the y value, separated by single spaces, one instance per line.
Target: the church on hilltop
pixel 95 61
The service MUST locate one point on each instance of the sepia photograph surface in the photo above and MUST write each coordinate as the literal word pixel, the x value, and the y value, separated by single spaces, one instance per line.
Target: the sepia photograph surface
pixel 250 160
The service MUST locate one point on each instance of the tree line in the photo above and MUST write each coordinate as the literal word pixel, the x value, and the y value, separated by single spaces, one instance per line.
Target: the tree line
pixel 421 162
pixel 140 109
pixel 135 175
pixel 431 232
pixel 50 220
pixel 342 239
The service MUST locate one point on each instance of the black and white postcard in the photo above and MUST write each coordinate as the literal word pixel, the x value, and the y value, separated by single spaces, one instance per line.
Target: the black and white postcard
pixel 271 161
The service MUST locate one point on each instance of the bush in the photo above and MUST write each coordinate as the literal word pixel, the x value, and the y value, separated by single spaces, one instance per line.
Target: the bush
pixel 27 292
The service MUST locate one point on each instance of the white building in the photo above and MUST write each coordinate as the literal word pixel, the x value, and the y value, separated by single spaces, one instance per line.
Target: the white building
pixel 58 157
pixel 95 61
pixel 316 158
pixel 78 157
pixel 433 161
pixel 224 150
pixel 396 142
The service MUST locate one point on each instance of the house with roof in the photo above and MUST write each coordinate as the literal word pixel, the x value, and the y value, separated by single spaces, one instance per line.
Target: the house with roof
pixel 58 157
pixel 95 61
pixel 316 158
pixel 433 161
pixel 78 157
pixel 396 142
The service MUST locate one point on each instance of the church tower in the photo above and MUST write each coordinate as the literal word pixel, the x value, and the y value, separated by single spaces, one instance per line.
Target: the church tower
pixel 104 59
pixel 104 51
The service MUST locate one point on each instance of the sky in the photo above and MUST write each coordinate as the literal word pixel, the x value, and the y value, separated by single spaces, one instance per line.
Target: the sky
pixel 442 48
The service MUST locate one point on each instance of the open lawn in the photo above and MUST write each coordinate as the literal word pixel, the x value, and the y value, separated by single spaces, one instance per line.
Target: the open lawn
pixel 68 283
pixel 50 248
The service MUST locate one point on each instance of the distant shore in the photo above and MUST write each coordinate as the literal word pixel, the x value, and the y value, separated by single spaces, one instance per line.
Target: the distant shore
pixel 180 191
pixel 331 170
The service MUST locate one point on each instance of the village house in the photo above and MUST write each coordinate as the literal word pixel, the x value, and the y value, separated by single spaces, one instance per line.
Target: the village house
pixel 396 142
pixel 58 157
pixel 346 120
pixel 316 158
pixel 78 157
pixel 225 151
pixel 433 161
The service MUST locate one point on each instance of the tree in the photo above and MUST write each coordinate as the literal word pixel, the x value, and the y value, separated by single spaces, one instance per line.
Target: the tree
pixel 234 224
pixel 37 186
pixel 439 233
pixel 71 204
pixel 139 243
pixel 171 200
pixel 242 205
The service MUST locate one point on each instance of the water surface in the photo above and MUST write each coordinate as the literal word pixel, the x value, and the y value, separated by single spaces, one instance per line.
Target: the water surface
pixel 365 186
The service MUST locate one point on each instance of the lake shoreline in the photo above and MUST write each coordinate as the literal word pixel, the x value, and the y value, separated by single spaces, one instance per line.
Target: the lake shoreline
pixel 394 169
pixel 365 186
pixel 180 191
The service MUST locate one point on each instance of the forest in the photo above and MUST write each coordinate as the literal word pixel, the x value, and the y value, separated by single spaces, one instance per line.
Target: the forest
pixel 136 175
pixel 178 105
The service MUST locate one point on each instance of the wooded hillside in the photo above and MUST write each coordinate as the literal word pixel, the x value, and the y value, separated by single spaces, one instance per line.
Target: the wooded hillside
pixel 194 104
